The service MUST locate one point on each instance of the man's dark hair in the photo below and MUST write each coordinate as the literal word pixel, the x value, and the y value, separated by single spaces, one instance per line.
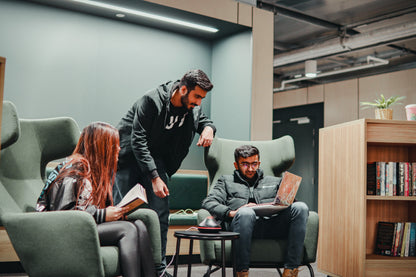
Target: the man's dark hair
pixel 194 78
pixel 245 151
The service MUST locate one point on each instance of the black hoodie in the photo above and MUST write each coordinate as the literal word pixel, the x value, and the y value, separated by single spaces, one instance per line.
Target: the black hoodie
pixel 143 136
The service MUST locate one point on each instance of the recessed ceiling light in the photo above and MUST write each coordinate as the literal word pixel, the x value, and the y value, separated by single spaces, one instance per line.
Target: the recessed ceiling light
pixel 149 15
pixel 120 15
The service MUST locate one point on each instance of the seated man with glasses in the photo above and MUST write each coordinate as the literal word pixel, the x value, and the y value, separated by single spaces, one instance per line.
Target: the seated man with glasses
pixel 231 199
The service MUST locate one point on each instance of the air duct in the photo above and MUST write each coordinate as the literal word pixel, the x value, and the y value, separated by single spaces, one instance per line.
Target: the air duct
pixel 355 42
pixel 371 62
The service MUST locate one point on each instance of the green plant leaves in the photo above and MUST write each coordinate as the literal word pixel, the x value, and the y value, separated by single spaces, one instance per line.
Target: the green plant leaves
pixel 382 102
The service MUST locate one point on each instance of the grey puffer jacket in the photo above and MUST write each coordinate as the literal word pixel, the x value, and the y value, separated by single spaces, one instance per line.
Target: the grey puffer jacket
pixel 232 191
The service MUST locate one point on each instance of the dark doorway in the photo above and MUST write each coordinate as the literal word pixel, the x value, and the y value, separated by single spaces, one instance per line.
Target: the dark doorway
pixel 302 123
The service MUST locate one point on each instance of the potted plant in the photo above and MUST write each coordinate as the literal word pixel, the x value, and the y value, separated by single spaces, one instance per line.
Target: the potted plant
pixel 382 105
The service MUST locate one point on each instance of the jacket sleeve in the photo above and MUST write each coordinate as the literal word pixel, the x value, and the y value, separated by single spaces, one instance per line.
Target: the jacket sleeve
pixel 42 203
pixel 63 196
pixel 204 121
pixel 146 112
pixel 216 201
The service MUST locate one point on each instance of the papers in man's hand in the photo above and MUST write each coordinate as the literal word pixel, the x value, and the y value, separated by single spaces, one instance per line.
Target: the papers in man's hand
pixel 134 198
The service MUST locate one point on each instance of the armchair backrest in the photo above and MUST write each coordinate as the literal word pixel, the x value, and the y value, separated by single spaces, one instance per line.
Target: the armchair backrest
pixel 22 164
pixel 10 127
pixel 276 156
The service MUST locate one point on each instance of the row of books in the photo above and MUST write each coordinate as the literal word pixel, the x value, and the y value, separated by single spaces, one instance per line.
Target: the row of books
pixel 396 239
pixel 391 178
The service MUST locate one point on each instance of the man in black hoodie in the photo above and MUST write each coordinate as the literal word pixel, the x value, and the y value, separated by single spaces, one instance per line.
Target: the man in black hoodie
pixel 155 136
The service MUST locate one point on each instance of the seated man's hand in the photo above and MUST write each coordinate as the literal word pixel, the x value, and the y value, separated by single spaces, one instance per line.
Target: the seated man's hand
pixel 159 187
pixel 232 213
pixel 206 137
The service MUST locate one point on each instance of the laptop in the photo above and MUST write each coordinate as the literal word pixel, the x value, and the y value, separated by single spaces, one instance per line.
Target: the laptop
pixel 284 196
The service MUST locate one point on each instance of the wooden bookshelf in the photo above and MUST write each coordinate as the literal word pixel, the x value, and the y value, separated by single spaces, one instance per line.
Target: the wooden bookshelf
pixel 349 217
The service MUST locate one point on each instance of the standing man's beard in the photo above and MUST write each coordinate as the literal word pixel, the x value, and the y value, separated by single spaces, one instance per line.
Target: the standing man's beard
pixel 185 102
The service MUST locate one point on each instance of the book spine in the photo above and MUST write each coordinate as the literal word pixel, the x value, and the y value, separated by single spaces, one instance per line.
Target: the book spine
pixel 394 178
pixel 371 179
pixel 389 179
pixel 406 179
pixel 378 178
pixel 396 243
pixel 404 237
pixel 401 179
pixel 412 240
pixel 394 239
pixel 385 233
pixel 414 178
pixel 406 249
pixel 383 178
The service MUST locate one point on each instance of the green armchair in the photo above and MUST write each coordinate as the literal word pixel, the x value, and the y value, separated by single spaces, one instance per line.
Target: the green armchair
pixel 276 156
pixel 63 243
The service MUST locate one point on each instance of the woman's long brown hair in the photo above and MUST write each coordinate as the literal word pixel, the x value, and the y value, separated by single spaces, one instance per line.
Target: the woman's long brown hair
pixel 95 159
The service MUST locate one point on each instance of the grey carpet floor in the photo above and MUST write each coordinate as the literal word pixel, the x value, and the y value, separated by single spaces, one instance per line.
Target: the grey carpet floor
pixel 198 270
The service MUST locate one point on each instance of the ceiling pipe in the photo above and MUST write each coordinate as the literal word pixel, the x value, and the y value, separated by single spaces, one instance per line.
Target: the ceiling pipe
pixel 371 62
pixel 295 14
pixel 336 46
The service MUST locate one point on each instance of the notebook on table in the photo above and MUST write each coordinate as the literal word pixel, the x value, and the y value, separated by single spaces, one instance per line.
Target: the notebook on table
pixel 284 196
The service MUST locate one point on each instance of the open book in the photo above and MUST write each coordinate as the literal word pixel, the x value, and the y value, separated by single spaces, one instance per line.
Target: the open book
pixel 284 196
pixel 133 199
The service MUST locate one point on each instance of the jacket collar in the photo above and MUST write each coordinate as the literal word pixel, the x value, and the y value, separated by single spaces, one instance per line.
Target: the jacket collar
pixel 240 179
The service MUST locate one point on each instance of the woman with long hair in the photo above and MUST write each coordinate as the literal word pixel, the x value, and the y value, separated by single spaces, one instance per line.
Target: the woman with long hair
pixel 84 181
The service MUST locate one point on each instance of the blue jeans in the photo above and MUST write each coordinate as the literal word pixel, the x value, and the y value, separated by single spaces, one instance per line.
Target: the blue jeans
pixel 289 223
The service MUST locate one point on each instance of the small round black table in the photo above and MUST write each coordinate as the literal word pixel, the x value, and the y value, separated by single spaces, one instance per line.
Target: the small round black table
pixel 191 235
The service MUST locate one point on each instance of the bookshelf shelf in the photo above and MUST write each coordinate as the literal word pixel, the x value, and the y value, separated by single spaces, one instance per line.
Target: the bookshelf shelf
pixel 348 216
pixel 384 258
pixel 393 198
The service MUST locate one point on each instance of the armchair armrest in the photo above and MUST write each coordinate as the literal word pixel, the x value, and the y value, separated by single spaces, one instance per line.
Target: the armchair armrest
pixel 61 243
pixel 311 237
pixel 151 220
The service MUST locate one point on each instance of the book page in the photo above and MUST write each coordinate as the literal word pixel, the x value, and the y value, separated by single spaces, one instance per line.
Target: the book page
pixel 136 192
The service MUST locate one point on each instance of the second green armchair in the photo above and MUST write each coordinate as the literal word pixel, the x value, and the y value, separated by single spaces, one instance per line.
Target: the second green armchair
pixel 276 156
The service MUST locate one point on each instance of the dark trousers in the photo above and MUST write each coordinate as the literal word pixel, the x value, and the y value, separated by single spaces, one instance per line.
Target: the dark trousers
pixel 133 242
pixel 128 176
pixel 289 223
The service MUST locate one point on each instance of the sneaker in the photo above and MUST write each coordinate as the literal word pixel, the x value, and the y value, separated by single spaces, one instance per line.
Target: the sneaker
pixel 243 273
pixel 290 272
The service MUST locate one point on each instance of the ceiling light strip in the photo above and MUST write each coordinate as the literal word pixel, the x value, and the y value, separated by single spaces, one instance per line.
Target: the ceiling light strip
pixel 148 15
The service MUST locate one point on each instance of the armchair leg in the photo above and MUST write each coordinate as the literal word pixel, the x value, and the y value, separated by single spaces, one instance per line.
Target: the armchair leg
pixel 310 270
pixel 208 273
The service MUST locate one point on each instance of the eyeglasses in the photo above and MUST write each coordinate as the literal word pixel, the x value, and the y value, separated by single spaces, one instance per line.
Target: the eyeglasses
pixel 248 165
